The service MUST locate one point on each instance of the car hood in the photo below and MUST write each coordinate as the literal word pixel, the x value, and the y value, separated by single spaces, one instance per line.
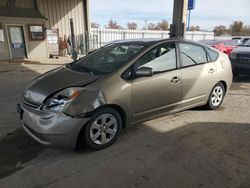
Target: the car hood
pixel 242 50
pixel 53 81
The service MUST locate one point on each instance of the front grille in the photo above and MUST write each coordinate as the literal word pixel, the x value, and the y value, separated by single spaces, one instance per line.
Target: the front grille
pixel 30 104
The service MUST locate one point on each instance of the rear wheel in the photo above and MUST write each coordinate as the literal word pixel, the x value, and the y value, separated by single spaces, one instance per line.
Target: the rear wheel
pixel 216 97
pixel 103 129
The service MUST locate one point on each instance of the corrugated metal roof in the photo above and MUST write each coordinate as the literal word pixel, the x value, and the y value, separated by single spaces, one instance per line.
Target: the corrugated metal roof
pixel 20 13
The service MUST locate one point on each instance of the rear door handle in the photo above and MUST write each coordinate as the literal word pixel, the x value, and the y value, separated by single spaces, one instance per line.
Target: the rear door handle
pixel 175 79
pixel 211 71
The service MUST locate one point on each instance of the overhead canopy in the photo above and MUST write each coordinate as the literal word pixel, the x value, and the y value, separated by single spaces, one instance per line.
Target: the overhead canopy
pixel 20 13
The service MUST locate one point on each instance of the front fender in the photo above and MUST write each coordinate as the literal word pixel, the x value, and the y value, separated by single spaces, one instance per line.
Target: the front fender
pixel 86 103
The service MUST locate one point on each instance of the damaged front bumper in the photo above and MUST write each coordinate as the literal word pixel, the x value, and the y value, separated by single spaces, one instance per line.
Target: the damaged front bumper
pixel 51 128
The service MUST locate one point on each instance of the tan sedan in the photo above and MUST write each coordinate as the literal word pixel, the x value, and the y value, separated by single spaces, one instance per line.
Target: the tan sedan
pixel 91 100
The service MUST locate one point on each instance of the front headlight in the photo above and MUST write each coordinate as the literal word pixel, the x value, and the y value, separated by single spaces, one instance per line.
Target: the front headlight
pixel 62 99
pixel 233 56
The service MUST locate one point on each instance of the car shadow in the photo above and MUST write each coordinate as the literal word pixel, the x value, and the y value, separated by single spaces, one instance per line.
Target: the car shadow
pixel 202 154
pixel 16 147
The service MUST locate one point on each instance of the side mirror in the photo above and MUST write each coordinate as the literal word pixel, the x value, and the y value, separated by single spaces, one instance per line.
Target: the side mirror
pixel 144 72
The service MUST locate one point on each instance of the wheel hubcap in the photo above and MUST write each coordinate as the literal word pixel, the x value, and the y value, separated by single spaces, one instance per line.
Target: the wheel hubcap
pixel 103 129
pixel 217 95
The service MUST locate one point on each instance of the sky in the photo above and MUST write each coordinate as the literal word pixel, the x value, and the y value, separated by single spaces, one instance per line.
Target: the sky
pixel 207 13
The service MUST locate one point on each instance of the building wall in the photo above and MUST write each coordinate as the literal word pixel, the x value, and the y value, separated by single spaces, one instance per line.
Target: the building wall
pixel 19 3
pixel 35 49
pixel 59 12
pixel 4 48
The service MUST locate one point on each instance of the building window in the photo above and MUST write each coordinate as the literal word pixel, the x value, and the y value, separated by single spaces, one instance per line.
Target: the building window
pixel 36 32
pixel 11 3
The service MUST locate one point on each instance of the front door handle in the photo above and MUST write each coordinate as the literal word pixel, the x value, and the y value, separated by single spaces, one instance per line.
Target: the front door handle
pixel 211 71
pixel 175 79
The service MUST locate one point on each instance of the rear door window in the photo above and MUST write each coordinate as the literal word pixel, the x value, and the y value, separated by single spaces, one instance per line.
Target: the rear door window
pixel 213 55
pixel 192 54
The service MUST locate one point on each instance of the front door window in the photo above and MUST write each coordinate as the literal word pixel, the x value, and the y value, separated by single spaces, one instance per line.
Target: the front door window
pixel 160 59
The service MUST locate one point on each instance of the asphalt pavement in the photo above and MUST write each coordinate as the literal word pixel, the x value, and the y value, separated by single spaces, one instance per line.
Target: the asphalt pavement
pixel 194 148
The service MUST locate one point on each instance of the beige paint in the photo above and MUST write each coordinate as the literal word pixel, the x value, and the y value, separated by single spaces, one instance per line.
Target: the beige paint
pixel 59 12
pixel 35 49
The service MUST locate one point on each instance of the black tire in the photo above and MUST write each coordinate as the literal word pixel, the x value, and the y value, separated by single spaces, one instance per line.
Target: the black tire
pixel 86 132
pixel 210 104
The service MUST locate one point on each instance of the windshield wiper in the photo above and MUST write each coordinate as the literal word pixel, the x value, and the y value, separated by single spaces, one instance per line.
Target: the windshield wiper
pixel 80 68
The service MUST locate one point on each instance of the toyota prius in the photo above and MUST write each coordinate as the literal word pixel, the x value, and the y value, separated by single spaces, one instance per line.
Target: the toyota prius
pixel 90 101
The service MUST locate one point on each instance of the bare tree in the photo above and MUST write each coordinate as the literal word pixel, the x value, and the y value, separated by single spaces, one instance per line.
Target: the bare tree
pixel 152 26
pixel 246 30
pixel 236 28
pixel 220 30
pixel 112 24
pixel 132 25
pixel 195 28
pixel 163 25
pixel 95 25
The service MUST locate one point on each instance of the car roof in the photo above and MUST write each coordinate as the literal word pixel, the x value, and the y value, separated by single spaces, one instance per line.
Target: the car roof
pixel 149 41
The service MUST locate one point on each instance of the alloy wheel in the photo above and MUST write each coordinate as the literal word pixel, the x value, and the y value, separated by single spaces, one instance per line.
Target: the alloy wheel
pixel 103 129
pixel 217 96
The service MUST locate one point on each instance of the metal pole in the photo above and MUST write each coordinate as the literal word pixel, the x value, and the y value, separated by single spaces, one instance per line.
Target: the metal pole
pixel 178 26
pixel 189 18
pixel 86 24
pixel 73 40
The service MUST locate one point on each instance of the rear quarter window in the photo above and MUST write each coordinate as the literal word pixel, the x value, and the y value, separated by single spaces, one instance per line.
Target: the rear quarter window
pixel 212 54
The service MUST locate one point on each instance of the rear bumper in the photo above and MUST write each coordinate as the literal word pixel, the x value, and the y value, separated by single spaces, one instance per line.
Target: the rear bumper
pixel 52 129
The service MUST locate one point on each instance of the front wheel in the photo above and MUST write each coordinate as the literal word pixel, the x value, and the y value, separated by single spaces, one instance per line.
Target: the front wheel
pixel 216 97
pixel 103 129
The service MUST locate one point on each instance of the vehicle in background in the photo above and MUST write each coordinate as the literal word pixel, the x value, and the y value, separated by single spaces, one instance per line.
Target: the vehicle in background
pixel 225 46
pixel 240 59
pixel 240 40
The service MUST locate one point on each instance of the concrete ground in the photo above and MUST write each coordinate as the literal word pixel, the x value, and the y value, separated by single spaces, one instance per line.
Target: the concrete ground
pixel 195 148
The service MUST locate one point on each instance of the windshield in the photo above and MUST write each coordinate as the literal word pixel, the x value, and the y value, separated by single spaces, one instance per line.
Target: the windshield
pixel 247 43
pixel 107 59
